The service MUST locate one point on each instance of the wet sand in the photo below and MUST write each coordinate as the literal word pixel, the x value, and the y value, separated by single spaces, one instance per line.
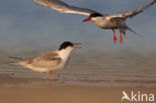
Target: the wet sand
pixel 34 90
pixel 66 94
pixel 85 80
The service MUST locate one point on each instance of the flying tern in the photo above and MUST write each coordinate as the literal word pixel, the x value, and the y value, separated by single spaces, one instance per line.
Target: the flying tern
pixel 104 21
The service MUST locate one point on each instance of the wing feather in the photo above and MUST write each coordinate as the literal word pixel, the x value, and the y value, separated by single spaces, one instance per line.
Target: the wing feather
pixel 64 7
pixel 130 14
pixel 48 60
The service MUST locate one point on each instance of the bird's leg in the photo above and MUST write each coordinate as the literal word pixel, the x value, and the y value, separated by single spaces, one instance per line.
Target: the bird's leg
pixel 115 38
pixel 50 76
pixel 121 39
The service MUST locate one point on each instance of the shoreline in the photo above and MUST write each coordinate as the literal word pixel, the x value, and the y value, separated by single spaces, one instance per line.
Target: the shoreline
pixel 32 82
pixel 67 94
pixel 37 90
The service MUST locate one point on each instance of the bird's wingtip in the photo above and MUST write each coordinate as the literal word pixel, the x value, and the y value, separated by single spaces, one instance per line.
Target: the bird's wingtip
pixel 13 57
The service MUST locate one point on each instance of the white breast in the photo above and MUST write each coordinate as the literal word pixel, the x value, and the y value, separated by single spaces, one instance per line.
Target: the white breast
pixel 64 55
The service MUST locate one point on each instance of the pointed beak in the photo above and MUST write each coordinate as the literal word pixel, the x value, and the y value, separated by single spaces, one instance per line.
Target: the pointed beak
pixel 75 45
pixel 88 19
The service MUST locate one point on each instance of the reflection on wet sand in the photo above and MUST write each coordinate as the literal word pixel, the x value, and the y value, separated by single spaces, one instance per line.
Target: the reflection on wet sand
pixel 96 77
pixel 94 68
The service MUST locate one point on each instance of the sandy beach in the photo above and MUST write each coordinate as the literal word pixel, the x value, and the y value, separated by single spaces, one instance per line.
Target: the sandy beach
pixel 24 90
pixel 82 81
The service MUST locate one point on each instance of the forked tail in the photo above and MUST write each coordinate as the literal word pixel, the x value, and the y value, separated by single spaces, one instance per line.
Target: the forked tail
pixel 134 32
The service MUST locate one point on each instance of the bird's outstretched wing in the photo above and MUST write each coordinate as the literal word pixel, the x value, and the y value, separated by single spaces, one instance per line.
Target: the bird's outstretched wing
pixel 64 7
pixel 130 14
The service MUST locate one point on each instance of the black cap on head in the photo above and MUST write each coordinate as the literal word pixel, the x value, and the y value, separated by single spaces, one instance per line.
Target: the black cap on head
pixel 95 15
pixel 65 45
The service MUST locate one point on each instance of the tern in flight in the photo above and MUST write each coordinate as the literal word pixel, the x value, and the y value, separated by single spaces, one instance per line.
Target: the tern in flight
pixel 104 21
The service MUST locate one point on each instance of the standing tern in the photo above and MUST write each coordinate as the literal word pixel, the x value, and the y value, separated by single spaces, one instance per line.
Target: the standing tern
pixel 104 21
pixel 53 61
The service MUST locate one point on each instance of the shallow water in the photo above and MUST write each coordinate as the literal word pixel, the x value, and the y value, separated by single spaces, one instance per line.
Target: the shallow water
pixel 95 67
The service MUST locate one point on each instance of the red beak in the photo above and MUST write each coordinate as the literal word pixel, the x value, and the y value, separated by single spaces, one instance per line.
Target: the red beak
pixel 88 19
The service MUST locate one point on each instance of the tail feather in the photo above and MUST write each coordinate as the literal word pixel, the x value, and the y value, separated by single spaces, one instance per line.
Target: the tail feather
pixel 17 58
pixel 138 35
pixel 16 62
